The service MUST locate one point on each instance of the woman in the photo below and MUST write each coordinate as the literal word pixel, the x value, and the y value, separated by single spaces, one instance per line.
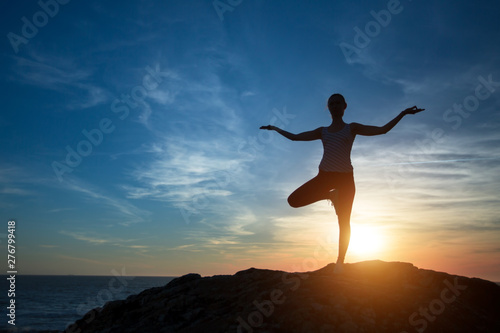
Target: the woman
pixel 335 177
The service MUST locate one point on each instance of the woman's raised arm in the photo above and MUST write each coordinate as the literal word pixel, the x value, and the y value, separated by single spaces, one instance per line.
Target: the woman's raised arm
pixel 304 136
pixel 377 130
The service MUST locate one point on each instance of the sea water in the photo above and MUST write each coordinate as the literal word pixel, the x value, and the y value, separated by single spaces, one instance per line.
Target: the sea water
pixel 45 302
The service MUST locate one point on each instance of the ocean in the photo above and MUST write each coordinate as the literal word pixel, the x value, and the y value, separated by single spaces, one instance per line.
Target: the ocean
pixel 45 302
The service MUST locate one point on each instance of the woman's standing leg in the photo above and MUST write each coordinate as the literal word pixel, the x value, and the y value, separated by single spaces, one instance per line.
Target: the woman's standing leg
pixel 343 207
pixel 344 239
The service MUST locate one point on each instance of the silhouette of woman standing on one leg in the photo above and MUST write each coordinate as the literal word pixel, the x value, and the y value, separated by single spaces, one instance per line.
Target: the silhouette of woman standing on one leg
pixel 335 179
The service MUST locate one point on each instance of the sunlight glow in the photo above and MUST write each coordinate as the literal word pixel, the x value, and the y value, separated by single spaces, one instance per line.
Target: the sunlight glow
pixel 366 240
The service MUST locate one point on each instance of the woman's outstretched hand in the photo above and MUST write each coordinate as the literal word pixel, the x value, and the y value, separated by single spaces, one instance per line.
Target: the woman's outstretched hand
pixel 268 127
pixel 412 110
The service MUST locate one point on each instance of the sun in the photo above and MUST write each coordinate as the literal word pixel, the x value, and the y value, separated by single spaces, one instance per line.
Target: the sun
pixel 366 241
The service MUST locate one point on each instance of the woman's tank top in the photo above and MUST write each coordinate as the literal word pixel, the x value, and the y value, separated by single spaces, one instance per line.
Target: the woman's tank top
pixel 337 150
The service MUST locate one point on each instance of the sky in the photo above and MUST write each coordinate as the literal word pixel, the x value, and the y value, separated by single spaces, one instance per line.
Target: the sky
pixel 130 136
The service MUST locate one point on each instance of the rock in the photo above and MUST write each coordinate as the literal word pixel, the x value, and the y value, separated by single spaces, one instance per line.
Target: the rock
pixel 184 279
pixel 371 296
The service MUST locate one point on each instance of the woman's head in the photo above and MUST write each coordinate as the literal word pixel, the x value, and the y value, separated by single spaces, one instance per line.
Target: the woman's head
pixel 337 105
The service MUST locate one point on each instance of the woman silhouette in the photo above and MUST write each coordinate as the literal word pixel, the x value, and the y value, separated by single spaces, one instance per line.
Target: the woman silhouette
pixel 335 179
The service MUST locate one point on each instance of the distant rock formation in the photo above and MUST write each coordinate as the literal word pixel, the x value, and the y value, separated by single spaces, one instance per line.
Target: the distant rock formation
pixel 370 296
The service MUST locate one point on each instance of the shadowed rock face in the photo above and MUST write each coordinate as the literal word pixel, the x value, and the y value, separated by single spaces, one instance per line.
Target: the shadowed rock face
pixel 371 296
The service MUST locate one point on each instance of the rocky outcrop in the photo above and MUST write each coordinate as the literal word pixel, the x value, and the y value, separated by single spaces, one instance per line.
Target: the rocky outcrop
pixel 371 296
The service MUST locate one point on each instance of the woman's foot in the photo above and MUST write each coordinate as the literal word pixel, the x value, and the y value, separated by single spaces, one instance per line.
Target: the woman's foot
pixel 339 266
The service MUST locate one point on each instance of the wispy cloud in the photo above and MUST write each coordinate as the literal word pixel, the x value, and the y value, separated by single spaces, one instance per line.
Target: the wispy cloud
pixel 126 212
pixel 61 75
pixel 182 170
pixel 85 238
pixel 15 191
pixel 14 180
pixel 450 184
pixel 197 125
pixel 100 240
pixel 57 210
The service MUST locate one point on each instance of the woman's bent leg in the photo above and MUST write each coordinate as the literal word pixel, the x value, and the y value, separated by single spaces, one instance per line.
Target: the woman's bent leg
pixel 314 190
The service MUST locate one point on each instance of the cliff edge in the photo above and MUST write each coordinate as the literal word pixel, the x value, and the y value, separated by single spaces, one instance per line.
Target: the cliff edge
pixel 370 296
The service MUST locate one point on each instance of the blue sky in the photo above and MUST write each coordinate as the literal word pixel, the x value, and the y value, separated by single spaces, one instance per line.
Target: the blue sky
pixel 130 134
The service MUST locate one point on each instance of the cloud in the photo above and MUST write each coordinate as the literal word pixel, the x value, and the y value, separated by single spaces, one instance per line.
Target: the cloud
pixel 57 210
pixel 248 94
pixel 63 76
pixel 126 212
pixel 454 183
pixel 181 170
pixel 15 191
pixel 48 76
pixel 197 123
pixel 163 96
pixel 85 238
pixel 99 240
pixel 14 180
